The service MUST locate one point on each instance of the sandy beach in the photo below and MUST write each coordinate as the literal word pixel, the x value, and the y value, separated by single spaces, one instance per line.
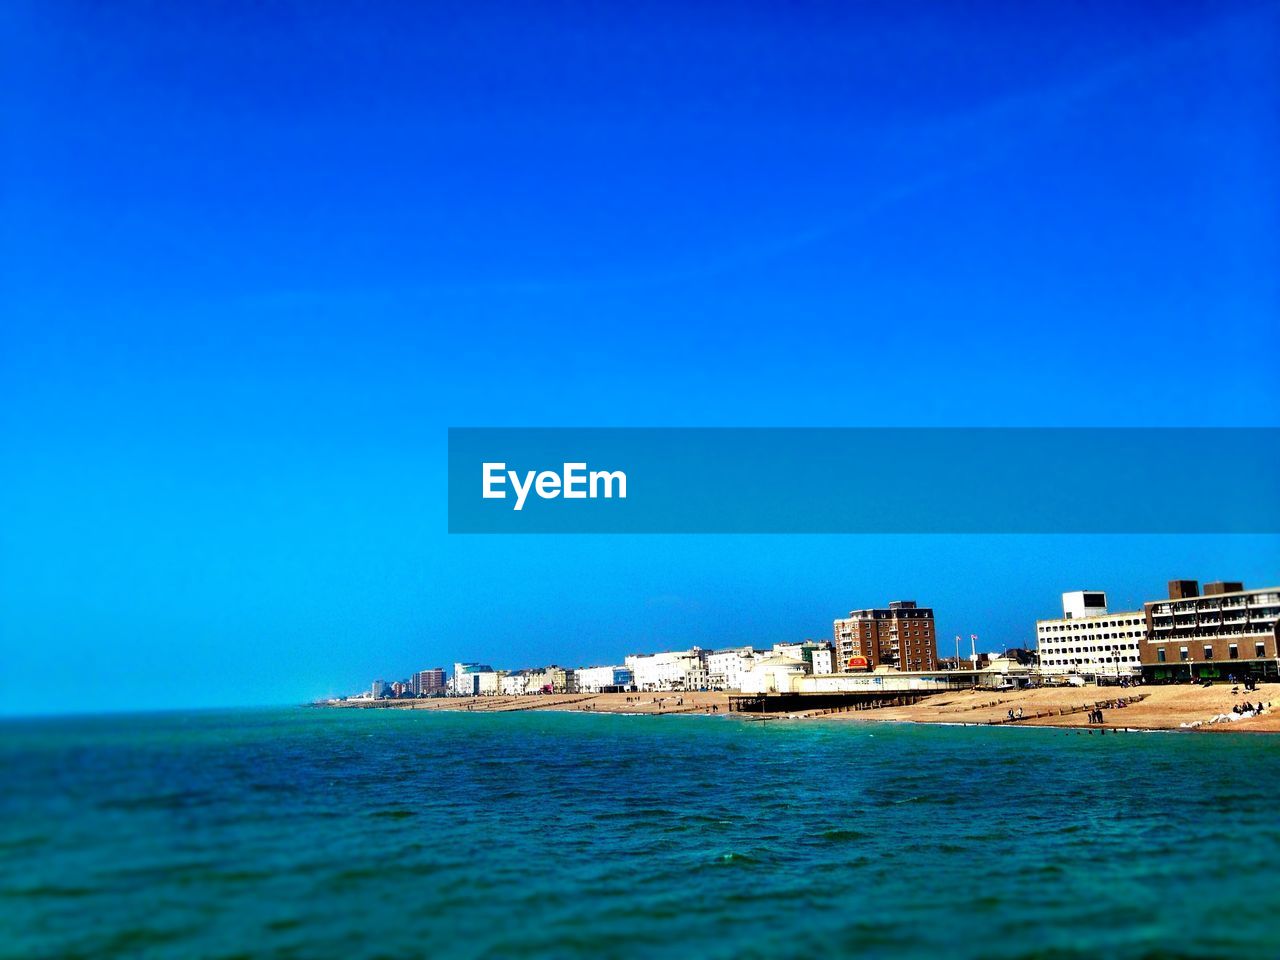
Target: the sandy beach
pixel 1146 708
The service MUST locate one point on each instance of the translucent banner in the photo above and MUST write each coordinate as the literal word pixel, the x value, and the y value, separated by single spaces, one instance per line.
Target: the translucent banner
pixel 864 480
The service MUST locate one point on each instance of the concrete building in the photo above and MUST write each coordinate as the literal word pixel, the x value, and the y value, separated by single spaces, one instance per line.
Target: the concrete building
pixel 887 682
pixel 427 683
pixel 803 650
pixel 379 689
pixel 824 660
pixel 473 680
pixel 773 673
pixel 514 684
pixel 1228 631
pixel 1089 641
pixel 901 636
pixel 550 679
pixel 603 679
pixel 671 670
pixel 725 668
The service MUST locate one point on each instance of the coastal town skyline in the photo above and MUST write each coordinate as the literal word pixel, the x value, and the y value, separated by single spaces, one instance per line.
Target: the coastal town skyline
pixel 1163 640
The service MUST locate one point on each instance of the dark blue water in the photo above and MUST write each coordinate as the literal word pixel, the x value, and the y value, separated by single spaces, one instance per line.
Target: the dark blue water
pixel 377 833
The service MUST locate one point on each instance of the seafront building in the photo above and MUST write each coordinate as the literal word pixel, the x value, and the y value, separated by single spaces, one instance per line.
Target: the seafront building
pixel 427 683
pixel 602 679
pixel 513 684
pixel 773 672
pixel 551 679
pixel 804 650
pixel 670 670
pixel 726 668
pixel 473 680
pixel 1090 642
pixel 1228 631
pixel 729 669
pixel 901 636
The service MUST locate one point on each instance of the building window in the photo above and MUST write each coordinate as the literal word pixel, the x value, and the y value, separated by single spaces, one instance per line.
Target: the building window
pixel 1160 655
pixel 1233 652
pixel 1182 654
pixel 1259 649
pixel 1208 652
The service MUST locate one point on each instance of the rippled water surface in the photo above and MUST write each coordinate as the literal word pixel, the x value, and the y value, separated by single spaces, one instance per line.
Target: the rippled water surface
pixel 362 833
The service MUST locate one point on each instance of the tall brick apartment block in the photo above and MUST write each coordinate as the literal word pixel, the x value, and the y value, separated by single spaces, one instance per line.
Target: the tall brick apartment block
pixel 900 636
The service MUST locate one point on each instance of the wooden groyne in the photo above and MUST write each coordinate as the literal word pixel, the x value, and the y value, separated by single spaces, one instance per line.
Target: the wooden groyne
pixel 823 704
pixel 1117 703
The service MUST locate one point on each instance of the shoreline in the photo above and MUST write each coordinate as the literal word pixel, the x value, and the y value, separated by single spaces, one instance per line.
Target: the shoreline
pixel 1177 709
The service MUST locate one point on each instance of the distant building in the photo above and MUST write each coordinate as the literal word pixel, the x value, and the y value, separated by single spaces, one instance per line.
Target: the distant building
pixel 378 689
pixel 1022 656
pixel 514 684
pixel 824 660
pixel 773 673
pixel 551 679
pixel 982 662
pixel 473 680
pixel 428 682
pixel 1229 631
pixel 671 670
pixel 603 679
pixel 901 636
pixel 725 668
pixel 1089 641
pixel 802 650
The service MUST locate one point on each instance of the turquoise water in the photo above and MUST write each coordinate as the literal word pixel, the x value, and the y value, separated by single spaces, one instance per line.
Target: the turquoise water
pixel 314 833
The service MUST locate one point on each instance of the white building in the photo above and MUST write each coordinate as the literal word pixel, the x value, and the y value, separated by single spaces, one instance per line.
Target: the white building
pixel 1089 641
pixel 514 684
pixel 773 673
pixel 672 670
pixel 598 679
pixel 889 682
pixel 807 650
pixel 725 668
pixel 473 680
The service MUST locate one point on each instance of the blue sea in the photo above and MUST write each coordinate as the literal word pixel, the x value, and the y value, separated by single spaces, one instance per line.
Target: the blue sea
pixel 376 833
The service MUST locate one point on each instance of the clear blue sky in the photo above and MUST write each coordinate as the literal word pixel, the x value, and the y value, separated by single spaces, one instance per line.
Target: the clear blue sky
pixel 257 258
